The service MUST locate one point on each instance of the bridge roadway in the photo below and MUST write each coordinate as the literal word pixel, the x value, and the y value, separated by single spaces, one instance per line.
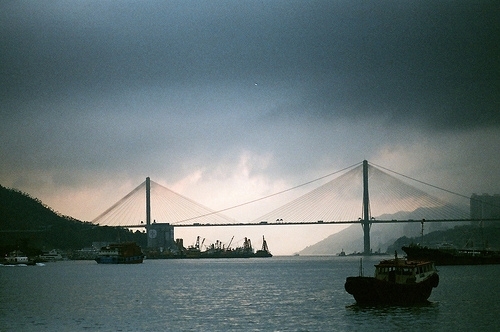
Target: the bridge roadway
pixel 320 222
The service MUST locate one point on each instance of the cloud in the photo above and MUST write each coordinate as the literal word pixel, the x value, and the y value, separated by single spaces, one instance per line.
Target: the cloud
pixel 243 98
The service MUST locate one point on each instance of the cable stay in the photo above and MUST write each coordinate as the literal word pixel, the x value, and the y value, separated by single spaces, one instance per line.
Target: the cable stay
pixel 338 200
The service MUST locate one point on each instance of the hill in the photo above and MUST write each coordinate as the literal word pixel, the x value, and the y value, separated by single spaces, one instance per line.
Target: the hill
pixel 31 226
pixel 382 237
pixel 464 236
pixel 391 237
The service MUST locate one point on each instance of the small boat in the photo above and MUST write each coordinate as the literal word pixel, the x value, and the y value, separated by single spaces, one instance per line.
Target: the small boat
pixel 120 253
pixel 16 257
pixel 397 282
pixel 50 256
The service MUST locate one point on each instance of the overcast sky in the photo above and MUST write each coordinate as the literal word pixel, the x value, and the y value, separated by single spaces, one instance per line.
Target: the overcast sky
pixel 229 101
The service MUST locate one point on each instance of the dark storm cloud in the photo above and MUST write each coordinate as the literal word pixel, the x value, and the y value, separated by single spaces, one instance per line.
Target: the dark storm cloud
pixel 434 63
pixel 95 85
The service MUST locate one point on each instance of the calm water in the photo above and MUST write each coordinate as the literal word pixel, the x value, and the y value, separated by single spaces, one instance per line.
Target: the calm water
pixel 276 294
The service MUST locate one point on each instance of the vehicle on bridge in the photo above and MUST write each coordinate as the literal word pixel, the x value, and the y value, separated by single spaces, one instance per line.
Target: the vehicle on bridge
pixel 397 281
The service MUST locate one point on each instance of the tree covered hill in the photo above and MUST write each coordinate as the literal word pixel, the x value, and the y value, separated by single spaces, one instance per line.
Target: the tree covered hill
pixel 31 226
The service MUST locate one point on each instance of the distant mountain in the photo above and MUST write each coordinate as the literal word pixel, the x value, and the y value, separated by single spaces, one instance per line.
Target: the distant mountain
pixel 382 236
pixel 463 236
pixel 31 226
pixel 351 239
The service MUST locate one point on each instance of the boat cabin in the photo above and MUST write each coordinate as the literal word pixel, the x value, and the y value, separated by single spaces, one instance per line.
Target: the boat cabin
pixel 16 257
pixel 109 251
pixel 402 271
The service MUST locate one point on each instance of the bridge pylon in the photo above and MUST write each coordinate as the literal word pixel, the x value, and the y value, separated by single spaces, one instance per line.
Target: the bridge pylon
pixel 148 201
pixel 160 235
pixel 366 220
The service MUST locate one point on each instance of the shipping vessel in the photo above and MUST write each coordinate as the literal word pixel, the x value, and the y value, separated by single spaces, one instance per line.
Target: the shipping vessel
pixel 264 251
pixel 120 253
pixel 218 250
pixel 214 250
pixel 396 282
pixel 449 255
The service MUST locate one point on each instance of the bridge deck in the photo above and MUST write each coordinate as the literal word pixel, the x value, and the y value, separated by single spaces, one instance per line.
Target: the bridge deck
pixel 282 223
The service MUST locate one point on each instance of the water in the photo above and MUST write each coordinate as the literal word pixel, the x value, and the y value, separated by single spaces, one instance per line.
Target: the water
pixel 274 294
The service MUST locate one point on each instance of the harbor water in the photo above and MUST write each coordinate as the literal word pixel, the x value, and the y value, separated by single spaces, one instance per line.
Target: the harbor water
pixel 256 294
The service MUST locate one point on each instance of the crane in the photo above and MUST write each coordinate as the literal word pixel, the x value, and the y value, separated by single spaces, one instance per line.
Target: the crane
pixel 229 245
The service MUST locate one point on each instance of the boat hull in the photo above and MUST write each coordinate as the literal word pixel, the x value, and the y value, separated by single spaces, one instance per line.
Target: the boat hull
pixel 262 253
pixel 371 291
pixel 119 260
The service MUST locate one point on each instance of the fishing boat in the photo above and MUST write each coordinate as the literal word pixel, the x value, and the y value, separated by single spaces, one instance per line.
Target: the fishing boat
pixel 120 253
pixel 397 281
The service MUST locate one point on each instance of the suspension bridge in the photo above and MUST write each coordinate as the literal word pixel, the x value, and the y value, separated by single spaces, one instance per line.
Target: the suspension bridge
pixel 360 194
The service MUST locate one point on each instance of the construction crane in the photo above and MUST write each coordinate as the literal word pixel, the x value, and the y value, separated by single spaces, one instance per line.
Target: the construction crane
pixel 229 245
pixel 264 244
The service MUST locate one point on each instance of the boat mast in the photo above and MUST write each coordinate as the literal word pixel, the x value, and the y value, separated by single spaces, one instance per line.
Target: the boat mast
pixel 422 233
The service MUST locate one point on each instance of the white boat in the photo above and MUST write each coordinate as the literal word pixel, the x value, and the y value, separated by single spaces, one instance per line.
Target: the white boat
pixel 51 256
pixel 16 257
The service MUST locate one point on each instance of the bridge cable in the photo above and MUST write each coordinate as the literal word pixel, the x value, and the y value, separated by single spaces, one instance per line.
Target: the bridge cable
pixel 271 195
pixel 422 182
pixel 125 198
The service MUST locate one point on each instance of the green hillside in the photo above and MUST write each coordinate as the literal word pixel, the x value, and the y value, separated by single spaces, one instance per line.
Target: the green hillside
pixel 31 226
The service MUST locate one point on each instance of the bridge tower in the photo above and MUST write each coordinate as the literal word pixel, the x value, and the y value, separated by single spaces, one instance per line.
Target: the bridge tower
pixel 160 235
pixel 366 220
pixel 150 232
pixel 148 202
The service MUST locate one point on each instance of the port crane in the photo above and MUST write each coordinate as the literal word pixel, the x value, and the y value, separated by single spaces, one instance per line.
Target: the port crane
pixel 229 245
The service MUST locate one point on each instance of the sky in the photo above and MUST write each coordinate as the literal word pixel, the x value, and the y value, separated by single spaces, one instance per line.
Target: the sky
pixel 229 101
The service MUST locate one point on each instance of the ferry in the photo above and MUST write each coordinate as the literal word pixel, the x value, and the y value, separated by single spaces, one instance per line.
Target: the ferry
pixel 50 256
pixel 120 253
pixel 397 281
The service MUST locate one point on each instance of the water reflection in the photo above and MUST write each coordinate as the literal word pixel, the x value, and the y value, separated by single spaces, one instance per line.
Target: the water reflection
pixel 422 316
